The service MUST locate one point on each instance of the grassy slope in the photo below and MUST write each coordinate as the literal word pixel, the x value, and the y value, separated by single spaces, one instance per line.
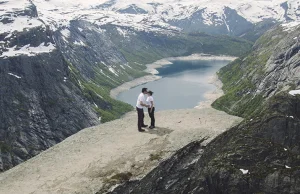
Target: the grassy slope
pixel 239 77
pixel 161 46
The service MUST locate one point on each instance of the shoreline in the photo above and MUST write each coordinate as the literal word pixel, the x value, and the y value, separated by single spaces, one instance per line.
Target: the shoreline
pixel 210 96
pixel 94 156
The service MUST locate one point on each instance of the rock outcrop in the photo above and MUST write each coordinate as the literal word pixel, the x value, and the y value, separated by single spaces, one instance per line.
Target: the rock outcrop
pixel 261 155
pixel 270 68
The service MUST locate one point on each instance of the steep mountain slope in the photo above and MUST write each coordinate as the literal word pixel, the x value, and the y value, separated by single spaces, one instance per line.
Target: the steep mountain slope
pixel 261 155
pixel 56 78
pixel 272 67
pixel 41 104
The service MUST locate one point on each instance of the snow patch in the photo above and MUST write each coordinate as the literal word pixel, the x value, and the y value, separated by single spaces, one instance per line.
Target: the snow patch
pixel 19 24
pixel 103 63
pixel 80 84
pixel 28 50
pixel 66 33
pixel 113 71
pixel 122 32
pixel 294 92
pixel 16 76
pixel 288 27
pixel 122 66
pixel 80 43
pixel 244 171
pixel 99 96
pixel 286 166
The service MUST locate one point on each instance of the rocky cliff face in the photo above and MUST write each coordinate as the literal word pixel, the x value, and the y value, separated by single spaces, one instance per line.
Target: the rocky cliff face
pixel 270 68
pixel 40 105
pixel 55 79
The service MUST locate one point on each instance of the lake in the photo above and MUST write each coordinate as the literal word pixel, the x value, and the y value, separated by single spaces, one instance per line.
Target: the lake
pixel 183 84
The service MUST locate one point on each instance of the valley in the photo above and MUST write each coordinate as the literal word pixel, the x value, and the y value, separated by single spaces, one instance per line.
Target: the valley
pixel 57 81
pixel 64 64
pixel 180 84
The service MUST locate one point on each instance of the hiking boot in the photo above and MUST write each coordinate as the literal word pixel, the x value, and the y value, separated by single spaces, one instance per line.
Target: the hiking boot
pixel 151 127
pixel 141 130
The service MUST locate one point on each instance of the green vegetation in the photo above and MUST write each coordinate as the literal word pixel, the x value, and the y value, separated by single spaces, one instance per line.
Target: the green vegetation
pixel 5 148
pixel 241 78
pixel 155 156
pixel 140 49
pixel 146 47
pixel 259 29
pixel 98 93
pixel 118 178
pixel 122 177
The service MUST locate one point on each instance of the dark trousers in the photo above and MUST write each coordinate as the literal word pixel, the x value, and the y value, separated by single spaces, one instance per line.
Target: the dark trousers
pixel 151 115
pixel 141 116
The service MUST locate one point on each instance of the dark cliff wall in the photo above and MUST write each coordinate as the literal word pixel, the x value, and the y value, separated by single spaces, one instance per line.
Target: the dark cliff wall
pixel 39 109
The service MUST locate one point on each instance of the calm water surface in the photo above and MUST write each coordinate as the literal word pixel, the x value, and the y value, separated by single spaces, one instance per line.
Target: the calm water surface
pixel 183 84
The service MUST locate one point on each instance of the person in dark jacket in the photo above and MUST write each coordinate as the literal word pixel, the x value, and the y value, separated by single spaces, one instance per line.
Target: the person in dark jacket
pixel 151 108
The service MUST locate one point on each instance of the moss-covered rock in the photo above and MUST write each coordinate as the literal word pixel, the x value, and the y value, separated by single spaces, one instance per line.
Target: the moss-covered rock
pixel 264 72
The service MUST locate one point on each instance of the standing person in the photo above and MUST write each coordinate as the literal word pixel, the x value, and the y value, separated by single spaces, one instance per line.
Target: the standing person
pixel 140 104
pixel 151 109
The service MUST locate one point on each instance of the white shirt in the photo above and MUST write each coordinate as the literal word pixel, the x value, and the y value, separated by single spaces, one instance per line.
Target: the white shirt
pixel 140 99
pixel 149 100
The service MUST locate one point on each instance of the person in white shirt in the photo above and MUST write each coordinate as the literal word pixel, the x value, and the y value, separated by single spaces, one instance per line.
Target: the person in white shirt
pixel 140 104
pixel 151 109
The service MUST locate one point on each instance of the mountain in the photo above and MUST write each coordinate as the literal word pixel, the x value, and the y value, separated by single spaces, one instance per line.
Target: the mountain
pixel 270 68
pixel 56 71
pixel 230 17
pixel 261 154
pixel 60 59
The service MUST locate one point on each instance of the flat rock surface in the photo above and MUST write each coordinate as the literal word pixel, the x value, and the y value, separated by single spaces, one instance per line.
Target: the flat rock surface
pixel 86 161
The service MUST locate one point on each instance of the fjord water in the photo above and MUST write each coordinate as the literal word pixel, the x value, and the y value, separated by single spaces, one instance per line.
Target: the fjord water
pixel 183 84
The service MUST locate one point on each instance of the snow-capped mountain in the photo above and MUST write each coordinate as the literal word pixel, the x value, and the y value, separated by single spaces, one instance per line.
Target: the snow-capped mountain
pixel 232 17
pixel 144 13
pixel 59 59
pixel 186 15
